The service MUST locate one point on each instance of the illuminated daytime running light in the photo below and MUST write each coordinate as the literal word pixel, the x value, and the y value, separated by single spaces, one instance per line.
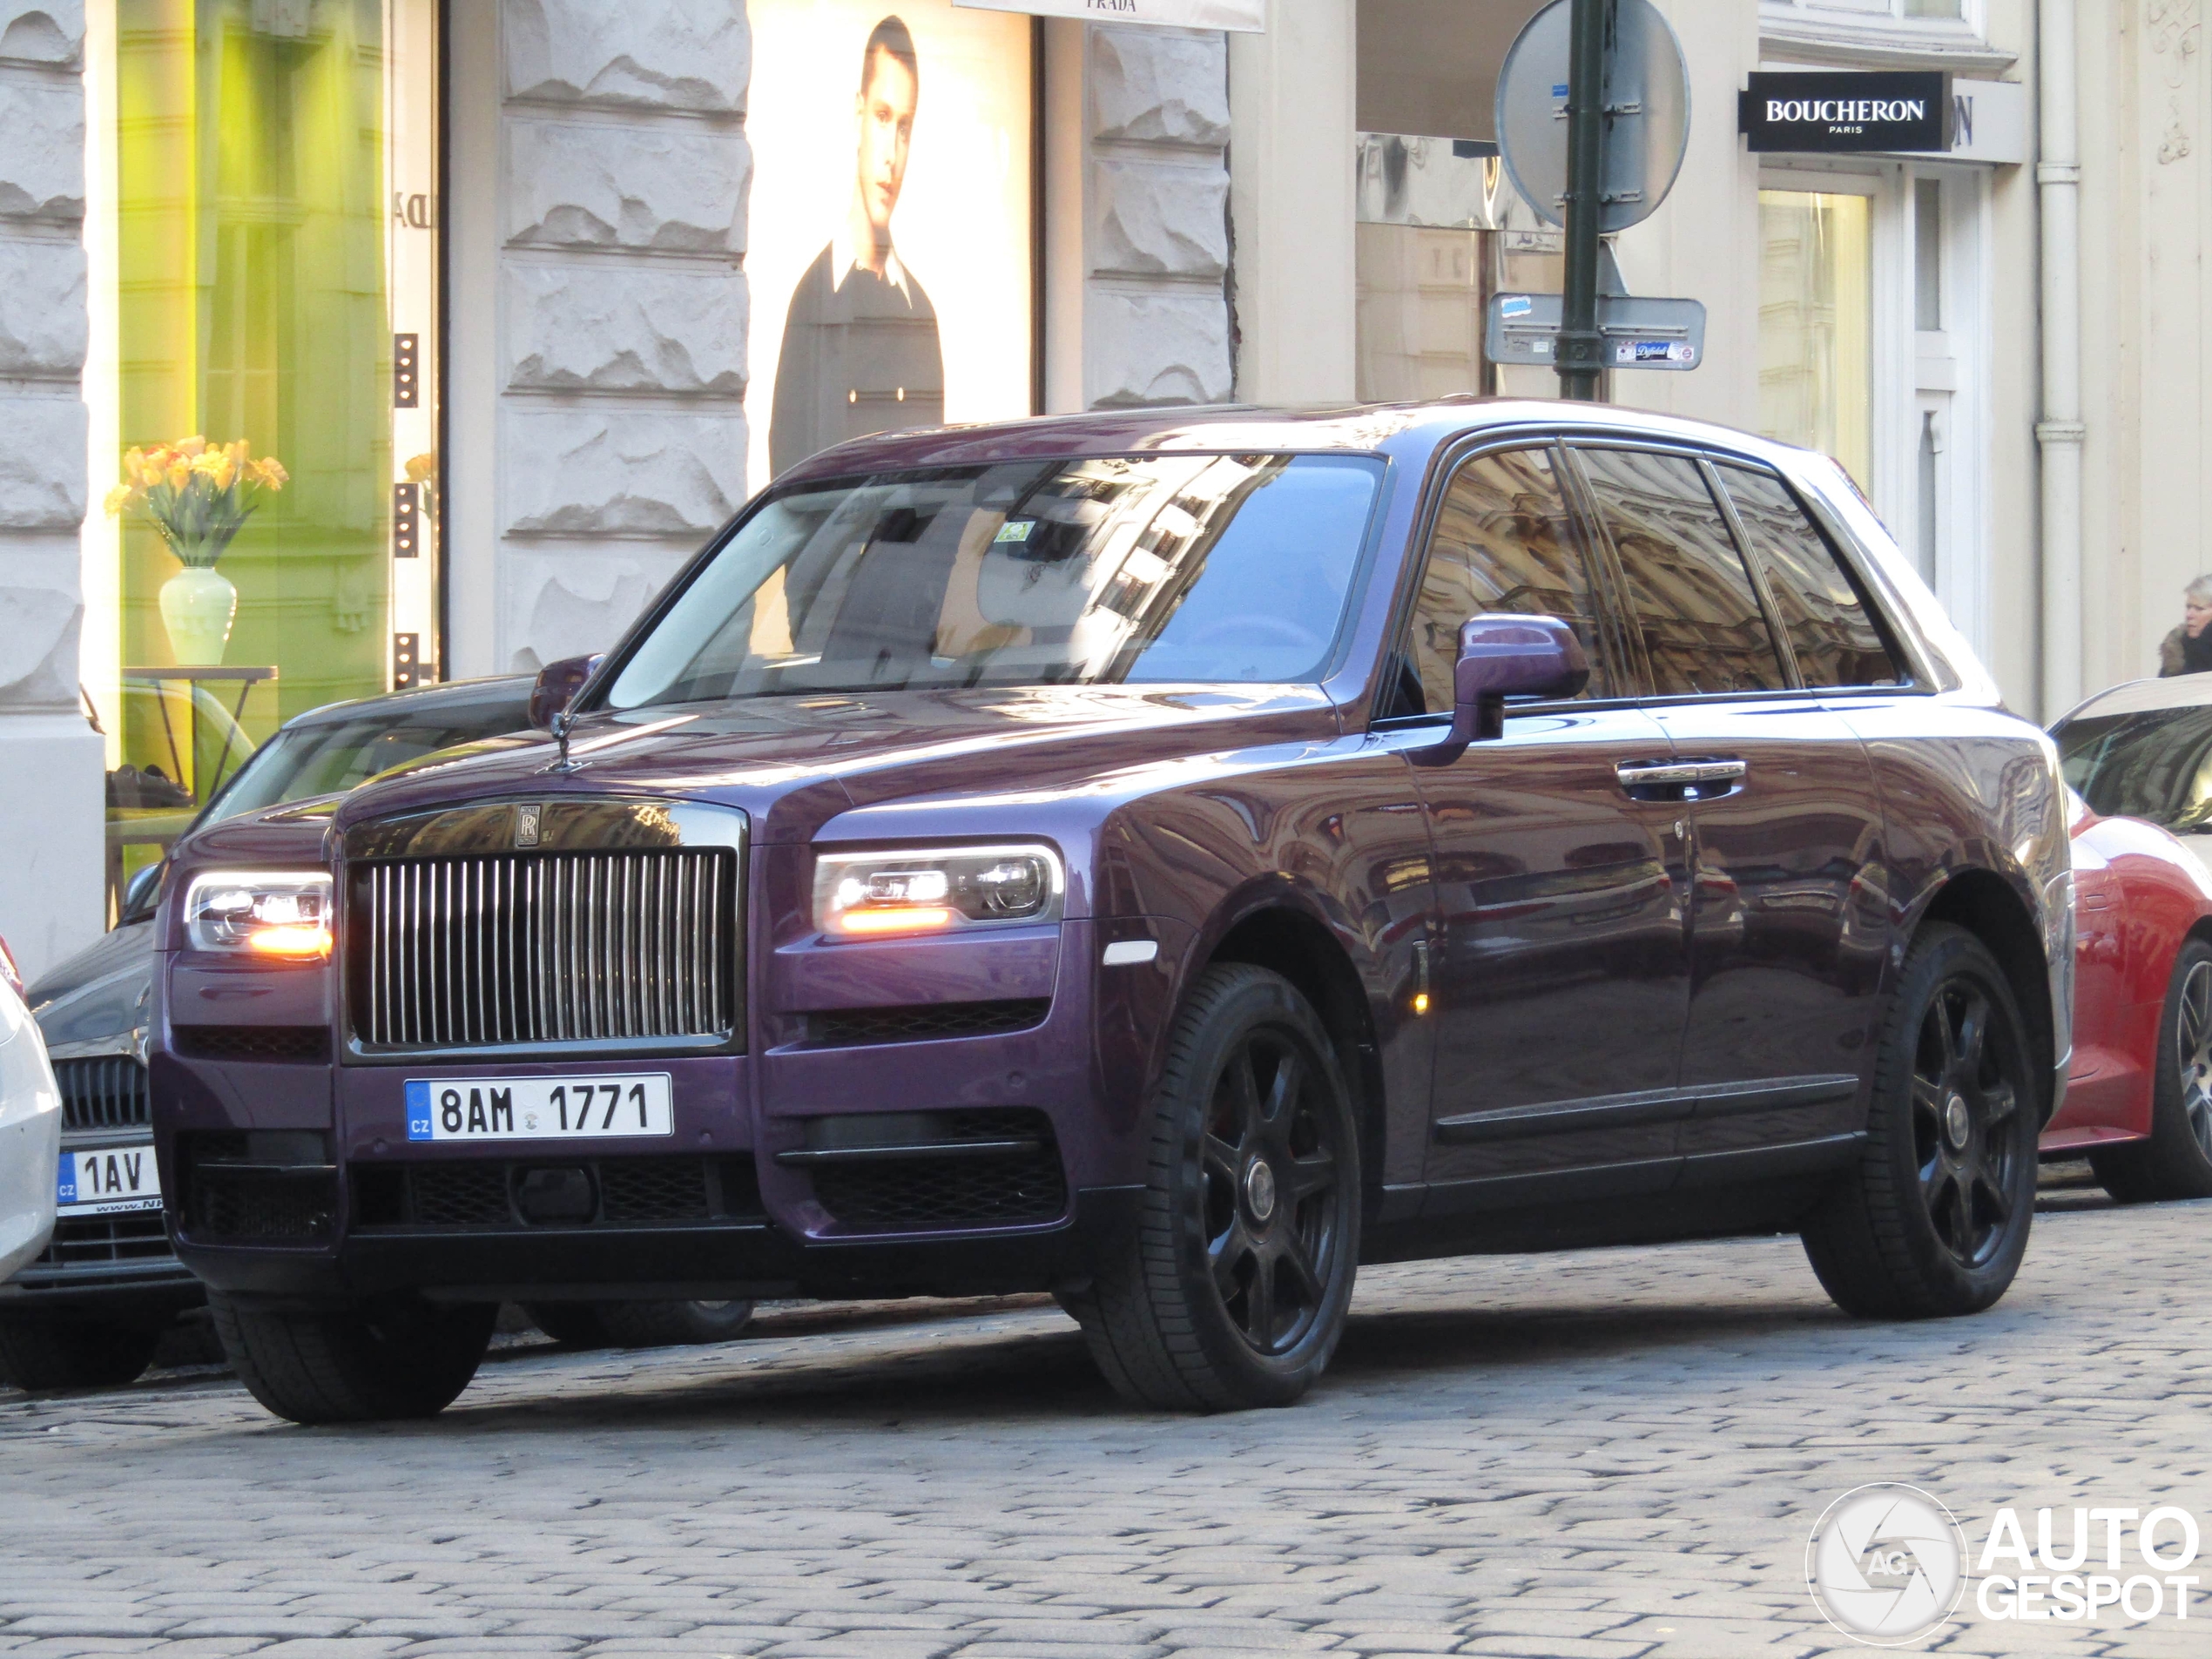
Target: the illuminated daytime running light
pixel 936 890
pixel 280 914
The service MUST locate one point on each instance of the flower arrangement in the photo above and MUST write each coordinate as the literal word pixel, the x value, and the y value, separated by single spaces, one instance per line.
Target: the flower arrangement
pixel 422 473
pixel 198 495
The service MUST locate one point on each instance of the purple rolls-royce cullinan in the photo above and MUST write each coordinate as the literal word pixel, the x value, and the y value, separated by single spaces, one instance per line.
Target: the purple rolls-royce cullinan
pixel 1163 858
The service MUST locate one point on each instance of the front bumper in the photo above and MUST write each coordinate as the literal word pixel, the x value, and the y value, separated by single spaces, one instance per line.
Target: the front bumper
pixel 677 1263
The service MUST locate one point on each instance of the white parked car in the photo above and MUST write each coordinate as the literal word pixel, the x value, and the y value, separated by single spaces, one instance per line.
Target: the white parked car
pixel 31 1129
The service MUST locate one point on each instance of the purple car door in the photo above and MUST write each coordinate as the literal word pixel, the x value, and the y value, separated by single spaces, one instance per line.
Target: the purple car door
pixel 1787 937
pixel 1559 975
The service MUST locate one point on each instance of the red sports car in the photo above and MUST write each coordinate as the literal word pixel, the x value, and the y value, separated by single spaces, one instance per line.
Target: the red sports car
pixel 2139 1098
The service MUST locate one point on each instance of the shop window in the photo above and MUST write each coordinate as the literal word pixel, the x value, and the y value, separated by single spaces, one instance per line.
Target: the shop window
pixel 1816 324
pixel 262 237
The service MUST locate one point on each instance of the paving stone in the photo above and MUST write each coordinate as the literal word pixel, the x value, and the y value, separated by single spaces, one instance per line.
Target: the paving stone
pixel 1611 1454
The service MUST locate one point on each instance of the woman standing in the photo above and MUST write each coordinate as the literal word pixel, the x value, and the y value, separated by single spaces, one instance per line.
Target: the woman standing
pixel 2188 649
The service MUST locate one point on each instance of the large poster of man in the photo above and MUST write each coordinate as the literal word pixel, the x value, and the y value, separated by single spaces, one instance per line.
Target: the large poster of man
pixel 891 242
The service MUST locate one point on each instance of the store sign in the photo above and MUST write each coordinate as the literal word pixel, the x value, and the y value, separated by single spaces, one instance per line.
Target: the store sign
pixel 1988 122
pixel 1245 17
pixel 1847 111
pixel 892 238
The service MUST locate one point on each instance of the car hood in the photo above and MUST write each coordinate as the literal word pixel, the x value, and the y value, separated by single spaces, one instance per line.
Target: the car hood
pixel 794 763
pixel 96 1001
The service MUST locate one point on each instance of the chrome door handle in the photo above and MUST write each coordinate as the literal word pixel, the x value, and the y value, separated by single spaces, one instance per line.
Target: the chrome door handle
pixel 1675 780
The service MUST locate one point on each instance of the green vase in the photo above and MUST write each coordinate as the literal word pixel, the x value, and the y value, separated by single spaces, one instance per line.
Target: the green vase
pixel 197 606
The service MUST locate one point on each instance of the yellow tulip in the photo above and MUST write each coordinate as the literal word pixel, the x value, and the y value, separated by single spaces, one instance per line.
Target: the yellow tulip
pixel 134 460
pixel 270 473
pixel 179 474
pixel 118 498
pixel 191 446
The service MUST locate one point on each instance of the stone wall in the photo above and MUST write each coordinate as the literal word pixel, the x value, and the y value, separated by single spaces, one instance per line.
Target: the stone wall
pixel 622 307
pixel 1156 311
pixel 51 761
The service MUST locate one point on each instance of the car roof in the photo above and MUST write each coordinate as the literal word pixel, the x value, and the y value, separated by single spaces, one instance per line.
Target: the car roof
pixel 1363 429
pixel 2144 697
pixel 450 697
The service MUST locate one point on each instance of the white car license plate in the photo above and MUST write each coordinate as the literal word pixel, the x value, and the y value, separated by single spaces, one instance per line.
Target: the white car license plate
pixel 110 1181
pixel 538 1108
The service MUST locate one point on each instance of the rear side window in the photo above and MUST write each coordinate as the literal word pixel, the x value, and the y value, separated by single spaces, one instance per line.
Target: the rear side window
pixel 1830 630
pixel 1504 541
pixel 1689 596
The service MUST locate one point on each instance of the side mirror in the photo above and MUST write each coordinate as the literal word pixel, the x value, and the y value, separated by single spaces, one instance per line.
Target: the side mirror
pixel 143 893
pixel 1502 657
pixel 557 684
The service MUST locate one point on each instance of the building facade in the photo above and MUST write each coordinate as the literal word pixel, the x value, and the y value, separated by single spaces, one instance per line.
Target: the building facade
pixel 527 296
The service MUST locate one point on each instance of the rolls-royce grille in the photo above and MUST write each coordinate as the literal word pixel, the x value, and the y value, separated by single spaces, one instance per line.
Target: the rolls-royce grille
pixel 106 1091
pixel 544 947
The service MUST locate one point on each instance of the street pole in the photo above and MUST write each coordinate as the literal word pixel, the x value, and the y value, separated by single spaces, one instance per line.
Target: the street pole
pixel 1582 348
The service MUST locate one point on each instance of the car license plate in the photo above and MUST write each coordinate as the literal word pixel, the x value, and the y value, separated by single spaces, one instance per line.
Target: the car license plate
pixel 110 1181
pixel 538 1108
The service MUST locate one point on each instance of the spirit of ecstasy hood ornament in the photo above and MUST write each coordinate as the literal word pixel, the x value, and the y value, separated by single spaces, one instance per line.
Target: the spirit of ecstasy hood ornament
pixel 564 723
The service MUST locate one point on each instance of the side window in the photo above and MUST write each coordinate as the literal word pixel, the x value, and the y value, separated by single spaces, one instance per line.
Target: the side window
pixel 1504 541
pixel 1689 594
pixel 1831 631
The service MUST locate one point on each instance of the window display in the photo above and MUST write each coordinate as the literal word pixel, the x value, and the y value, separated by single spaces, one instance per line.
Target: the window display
pixel 263 384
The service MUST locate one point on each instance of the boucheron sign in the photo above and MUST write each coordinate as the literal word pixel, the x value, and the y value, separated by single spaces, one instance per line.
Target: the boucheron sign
pixel 1246 16
pixel 1840 112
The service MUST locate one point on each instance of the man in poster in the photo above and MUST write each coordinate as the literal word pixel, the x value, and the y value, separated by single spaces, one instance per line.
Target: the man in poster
pixel 860 353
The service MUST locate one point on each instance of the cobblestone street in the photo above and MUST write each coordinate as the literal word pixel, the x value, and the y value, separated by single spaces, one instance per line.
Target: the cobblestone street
pixel 1605 1455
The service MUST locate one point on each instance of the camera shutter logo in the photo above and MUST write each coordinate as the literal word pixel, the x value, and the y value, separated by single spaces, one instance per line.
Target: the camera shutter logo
pixel 1886 1565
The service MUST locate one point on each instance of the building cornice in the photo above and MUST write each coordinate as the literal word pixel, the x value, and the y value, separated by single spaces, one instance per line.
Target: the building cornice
pixel 1787 34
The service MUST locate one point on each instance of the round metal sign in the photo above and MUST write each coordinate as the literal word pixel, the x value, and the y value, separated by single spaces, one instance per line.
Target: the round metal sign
pixel 1647 105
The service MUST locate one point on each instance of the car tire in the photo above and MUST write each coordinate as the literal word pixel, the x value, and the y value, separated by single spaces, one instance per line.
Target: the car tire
pixel 372 1364
pixel 38 1354
pixel 641 1324
pixel 1933 1219
pixel 1231 1289
pixel 2175 1162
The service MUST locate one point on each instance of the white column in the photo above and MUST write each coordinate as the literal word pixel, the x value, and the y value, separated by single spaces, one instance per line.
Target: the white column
pixel 2060 432
pixel 51 808
pixel 1294 290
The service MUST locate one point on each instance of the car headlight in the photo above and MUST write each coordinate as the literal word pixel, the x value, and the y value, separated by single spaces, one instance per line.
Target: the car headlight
pixel 930 890
pixel 265 913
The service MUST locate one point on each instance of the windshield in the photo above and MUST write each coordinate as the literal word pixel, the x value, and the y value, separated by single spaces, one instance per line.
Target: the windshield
pixel 2156 764
pixel 1184 568
pixel 330 759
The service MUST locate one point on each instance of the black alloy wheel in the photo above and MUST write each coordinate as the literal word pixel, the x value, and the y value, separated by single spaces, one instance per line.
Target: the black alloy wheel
pixel 2175 1160
pixel 1272 1209
pixel 1230 1291
pixel 2191 1050
pixel 1932 1217
pixel 1962 1102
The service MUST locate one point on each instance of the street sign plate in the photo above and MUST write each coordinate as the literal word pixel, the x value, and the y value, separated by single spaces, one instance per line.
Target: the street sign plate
pixel 1647 105
pixel 1639 332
